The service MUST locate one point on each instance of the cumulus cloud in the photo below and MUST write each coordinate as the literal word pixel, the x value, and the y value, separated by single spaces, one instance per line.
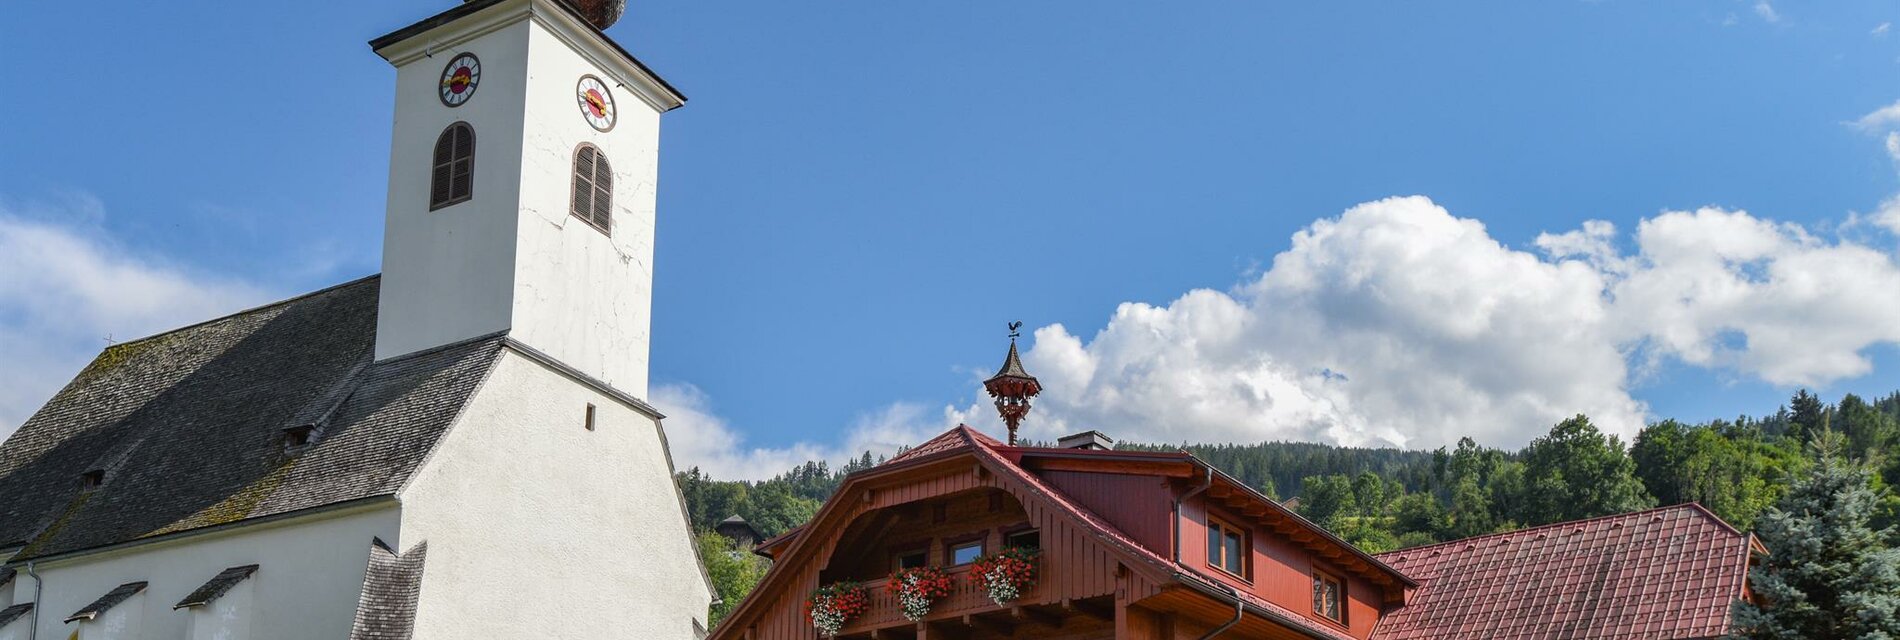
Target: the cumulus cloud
pixel 699 437
pixel 66 286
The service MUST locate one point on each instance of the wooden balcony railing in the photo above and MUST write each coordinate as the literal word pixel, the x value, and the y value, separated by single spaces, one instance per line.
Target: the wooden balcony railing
pixel 966 597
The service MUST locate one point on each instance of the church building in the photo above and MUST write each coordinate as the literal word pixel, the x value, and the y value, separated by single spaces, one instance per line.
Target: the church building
pixel 456 448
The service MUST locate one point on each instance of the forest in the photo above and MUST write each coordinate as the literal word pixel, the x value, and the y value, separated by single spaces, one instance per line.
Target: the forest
pixel 1386 499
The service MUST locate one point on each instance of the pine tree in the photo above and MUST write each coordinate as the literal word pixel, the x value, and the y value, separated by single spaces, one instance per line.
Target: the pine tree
pixel 1829 574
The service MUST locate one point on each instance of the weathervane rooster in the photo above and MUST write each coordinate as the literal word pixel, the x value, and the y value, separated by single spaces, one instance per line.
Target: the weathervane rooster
pixel 1012 386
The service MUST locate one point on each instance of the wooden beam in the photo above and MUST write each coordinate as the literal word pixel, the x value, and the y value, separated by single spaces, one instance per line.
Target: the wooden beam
pixel 1036 616
pixel 996 627
pixel 1090 609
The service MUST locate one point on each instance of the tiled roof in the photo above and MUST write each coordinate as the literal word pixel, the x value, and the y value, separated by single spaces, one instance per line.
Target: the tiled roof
pixel 386 609
pixel 216 586
pixel 106 602
pixel 187 426
pixel 958 438
pixel 15 612
pixel 1658 574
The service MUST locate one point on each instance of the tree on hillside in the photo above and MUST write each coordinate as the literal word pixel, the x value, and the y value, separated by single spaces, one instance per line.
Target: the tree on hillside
pixel 1829 574
pixel 734 572
pixel 1732 469
pixel 1807 416
pixel 1576 472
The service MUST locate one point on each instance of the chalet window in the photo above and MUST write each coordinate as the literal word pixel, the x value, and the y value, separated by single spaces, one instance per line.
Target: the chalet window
pixel 1030 539
pixel 593 188
pixel 1329 595
pixel 1227 547
pixel 912 559
pixel 966 552
pixel 451 180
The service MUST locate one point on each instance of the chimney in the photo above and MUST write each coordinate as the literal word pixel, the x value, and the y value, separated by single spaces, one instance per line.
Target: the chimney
pixel 1091 440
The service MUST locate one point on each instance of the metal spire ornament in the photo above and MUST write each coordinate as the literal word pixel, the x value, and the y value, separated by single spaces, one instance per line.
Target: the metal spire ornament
pixel 1012 387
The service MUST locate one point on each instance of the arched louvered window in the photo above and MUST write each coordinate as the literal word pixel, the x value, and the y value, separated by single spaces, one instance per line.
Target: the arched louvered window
pixel 593 188
pixel 453 177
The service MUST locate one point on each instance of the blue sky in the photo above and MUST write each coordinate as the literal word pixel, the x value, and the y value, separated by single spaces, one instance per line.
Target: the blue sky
pixel 859 195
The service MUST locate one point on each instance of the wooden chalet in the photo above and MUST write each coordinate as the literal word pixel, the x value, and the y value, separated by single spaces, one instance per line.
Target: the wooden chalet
pixel 1147 545
pixel 1106 523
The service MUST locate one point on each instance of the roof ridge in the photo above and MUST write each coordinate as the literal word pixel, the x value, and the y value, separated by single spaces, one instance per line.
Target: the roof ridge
pixel 1689 506
pixel 250 310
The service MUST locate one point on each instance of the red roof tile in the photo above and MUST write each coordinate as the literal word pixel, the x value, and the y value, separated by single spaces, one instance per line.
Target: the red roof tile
pixel 1658 574
pixel 958 438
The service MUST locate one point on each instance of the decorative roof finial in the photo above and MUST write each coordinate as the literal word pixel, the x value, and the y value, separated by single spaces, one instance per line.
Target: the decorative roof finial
pixel 1012 386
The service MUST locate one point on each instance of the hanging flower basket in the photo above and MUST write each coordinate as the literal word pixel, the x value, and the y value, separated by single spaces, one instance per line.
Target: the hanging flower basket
pixel 917 588
pixel 1006 575
pixel 830 607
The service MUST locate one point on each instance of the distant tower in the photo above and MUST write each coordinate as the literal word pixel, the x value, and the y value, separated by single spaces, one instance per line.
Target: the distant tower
pixel 1012 387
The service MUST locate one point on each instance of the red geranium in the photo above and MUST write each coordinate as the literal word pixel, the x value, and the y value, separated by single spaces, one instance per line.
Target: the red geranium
pixel 917 588
pixel 1006 576
pixel 830 607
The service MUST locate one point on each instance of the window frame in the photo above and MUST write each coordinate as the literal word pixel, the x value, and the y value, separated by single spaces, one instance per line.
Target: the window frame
pixel 950 546
pixel 1224 527
pixel 1020 530
pixel 1320 577
pixel 437 164
pixel 594 189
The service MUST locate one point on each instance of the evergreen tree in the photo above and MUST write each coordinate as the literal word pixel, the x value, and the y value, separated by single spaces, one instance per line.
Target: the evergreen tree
pixel 1806 417
pixel 1829 574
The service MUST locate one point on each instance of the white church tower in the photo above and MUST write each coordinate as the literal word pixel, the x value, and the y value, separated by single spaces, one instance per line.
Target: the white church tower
pixel 521 187
pixel 457 449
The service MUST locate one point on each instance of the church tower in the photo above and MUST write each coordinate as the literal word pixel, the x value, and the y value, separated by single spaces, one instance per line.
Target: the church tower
pixel 522 180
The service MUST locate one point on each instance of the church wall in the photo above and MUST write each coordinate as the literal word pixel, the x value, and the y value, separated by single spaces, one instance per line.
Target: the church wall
pixel 583 296
pixel 540 528
pixel 309 573
pixel 448 273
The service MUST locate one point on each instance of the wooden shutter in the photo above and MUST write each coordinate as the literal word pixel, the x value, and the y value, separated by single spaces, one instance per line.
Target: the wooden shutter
pixel 452 179
pixel 593 188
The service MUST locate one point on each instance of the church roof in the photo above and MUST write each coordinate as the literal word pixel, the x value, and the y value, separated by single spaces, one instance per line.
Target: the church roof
pixel 185 430
pixel 216 587
pixel 15 612
pixel 1663 573
pixel 392 583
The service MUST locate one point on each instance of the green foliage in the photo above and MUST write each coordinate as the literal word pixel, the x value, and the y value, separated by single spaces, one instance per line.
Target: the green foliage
pixel 1576 472
pixel 1830 573
pixel 734 572
pixel 1735 471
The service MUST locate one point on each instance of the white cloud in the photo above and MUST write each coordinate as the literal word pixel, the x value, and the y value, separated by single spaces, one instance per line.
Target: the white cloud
pixel 1881 30
pixel 1880 119
pixel 699 437
pixel 1766 11
pixel 66 286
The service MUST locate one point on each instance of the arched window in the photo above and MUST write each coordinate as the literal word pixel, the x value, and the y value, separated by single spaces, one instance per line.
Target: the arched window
pixel 454 173
pixel 593 188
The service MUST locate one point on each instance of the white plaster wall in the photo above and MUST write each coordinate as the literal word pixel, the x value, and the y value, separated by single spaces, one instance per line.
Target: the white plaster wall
pixel 16 630
pixel 308 578
pixel 228 617
pixel 512 257
pixel 6 591
pixel 448 274
pixel 121 622
pixel 580 295
pixel 539 528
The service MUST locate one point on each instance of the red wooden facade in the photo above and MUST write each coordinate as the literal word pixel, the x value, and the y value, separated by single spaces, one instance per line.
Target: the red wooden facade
pixel 1108 567
pixel 1126 553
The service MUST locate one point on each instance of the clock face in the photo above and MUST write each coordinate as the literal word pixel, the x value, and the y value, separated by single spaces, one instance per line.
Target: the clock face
pixel 597 103
pixel 460 78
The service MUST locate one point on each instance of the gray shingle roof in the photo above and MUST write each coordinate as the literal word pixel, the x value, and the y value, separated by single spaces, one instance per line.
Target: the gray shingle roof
pixel 9 614
pixel 386 609
pixel 216 586
pixel 188 425
pixel 111 599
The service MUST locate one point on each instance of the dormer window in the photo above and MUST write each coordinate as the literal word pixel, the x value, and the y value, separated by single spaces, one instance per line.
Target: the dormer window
pixel 593 188
pixel 299 437
pixel 451 180
pixel 92 479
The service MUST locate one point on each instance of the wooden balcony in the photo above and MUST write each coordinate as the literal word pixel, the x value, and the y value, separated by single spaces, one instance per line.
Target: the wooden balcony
pixel 968 605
